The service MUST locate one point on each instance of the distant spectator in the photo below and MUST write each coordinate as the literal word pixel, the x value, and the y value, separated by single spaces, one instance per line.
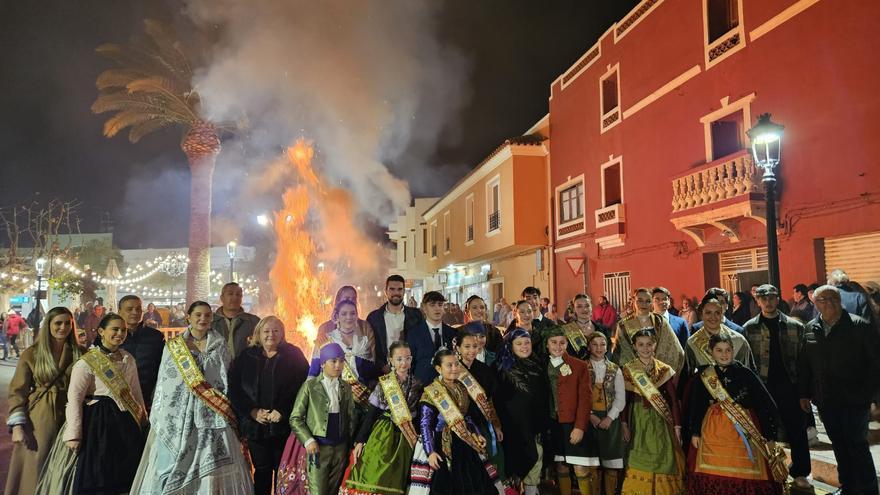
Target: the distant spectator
pixel 14 325
pixel 853 300
pixel 3 337
pixel 153 318
pixel 605 313
pixel 754 310
pixel 687 311
pixel 801 306
pixel 91 321
pixel 741 308
pixel 873 290
pixel 545 305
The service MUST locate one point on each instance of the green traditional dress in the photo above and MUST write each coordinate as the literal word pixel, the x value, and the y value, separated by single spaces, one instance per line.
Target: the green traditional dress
pixel 383 467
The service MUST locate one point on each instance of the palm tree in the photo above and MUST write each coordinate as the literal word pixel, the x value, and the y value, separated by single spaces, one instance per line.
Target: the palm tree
pixel 151 88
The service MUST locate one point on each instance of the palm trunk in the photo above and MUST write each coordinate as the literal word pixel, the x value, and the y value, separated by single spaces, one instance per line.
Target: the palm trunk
pixel 201 145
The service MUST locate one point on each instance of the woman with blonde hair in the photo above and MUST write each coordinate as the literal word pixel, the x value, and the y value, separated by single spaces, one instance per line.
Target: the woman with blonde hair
pixel 263 382
pixel 37 398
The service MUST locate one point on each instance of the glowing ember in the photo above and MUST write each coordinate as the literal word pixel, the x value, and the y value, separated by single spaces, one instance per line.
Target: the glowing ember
pixel 300 286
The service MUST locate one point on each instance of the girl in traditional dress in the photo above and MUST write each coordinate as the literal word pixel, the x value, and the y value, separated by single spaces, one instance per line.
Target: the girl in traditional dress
pixel 193 445
pixel 322 421
pixel 651 422
pixel 263 382
pixel 451 457
pixel 349 293
pixel 570 403
pixel 37 397
pixel 730 457
pixel 609 399
pixel 697 352
pixel 106 418
pixel 475 311
pixel 523 404
pixel 356 339
pixel 384 445
pixel 668 348
pixel 482 384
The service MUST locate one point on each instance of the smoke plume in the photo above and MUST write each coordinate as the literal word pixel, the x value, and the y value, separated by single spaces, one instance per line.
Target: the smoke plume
pixel 350 75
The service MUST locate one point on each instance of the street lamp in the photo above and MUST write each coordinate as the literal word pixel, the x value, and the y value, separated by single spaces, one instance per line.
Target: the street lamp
pixel 40 266
pixel 263 220
pixel 766 137
pixel 230 250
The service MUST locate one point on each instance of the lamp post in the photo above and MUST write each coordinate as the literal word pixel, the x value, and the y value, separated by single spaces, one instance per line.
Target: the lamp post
pixel 40 266
pixel 230 250
pixel 766 138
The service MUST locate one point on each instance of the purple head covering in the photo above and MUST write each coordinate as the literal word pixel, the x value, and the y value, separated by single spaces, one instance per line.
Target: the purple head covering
pixel 473 328
pixel 331 351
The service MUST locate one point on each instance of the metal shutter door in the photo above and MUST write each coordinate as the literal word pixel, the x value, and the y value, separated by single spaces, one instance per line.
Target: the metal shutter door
pixel 858 255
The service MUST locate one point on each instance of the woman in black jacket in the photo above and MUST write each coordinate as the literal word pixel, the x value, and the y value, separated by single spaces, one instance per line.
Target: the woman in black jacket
pixel 263 382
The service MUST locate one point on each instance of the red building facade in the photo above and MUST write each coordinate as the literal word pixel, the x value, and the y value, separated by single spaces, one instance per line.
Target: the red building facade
pixel 652 179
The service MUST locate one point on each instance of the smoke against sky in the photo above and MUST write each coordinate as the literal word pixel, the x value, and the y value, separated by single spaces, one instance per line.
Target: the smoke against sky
pixel 352 76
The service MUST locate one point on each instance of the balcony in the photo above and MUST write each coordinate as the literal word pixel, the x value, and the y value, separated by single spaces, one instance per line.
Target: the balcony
pixel 718 195
pixel 494 221
pixel 611 226
pixel 470 233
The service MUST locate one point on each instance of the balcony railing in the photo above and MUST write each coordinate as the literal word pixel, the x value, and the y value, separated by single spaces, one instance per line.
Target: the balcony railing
pixel 732 176
pixel 494 221
pixel 470 233
pixel 434 251
pixel 610 215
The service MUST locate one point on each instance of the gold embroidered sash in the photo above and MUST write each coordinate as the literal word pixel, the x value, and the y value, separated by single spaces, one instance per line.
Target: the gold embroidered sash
pixel 476 392
pixel 439 397
pixel 735 412
pixel 575 336
pixel 194 379
pixel 110 376
pixel 360 392
pixel 398 407
pixel 646 387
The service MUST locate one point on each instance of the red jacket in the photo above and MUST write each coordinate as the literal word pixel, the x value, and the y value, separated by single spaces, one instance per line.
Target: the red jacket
pixel 605 314
pixel 14 323
pixel 575 394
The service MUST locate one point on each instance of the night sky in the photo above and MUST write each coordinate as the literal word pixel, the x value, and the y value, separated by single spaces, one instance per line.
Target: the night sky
pixel 51 144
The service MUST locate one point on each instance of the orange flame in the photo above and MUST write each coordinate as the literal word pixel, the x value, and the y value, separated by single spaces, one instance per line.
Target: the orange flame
pixel 300 285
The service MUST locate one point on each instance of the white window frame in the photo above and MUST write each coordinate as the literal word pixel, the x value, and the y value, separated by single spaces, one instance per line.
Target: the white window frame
pixel 447 232
pixel 580 179
pixel 432 234
pixel 469 216
pixel 613 70
pixel 612 160
pixel 491 183
pixel 738 30
pixel 741 105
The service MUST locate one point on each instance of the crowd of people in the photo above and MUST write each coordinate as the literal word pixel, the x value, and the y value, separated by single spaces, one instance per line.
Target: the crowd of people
pixel 401 401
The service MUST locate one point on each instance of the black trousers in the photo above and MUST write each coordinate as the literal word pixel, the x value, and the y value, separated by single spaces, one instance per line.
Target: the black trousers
pixel 266 455
pixel 847 427
pixel 794 423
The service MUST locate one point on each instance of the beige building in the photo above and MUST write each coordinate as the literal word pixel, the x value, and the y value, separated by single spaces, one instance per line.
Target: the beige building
pixel 412 258
pixel 488 234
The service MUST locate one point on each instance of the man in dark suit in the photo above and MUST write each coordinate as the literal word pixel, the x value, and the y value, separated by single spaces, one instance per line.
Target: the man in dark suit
pixel 429 335
pixel 533 296
pixel 390 320
pixel 660 300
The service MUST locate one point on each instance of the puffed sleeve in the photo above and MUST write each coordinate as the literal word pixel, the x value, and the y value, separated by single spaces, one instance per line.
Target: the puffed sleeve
pixel 82 381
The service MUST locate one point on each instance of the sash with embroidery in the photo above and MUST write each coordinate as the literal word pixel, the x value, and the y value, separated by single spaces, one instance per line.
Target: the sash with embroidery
pixel 398 407
pixel 439 397
pixel 476 392
pixel 735 412
pixel 109 374
pixel 359 391
pixel 608 381
pixel 646 388
pixel 194 379
pixel 575 336
pixel 700 345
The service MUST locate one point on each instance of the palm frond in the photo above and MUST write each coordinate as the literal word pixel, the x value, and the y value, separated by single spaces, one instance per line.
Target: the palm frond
pixel 140 130
pixel 169 49
pixel 117 78
pixel 150 104
pixel 126 118
pixel 166 89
